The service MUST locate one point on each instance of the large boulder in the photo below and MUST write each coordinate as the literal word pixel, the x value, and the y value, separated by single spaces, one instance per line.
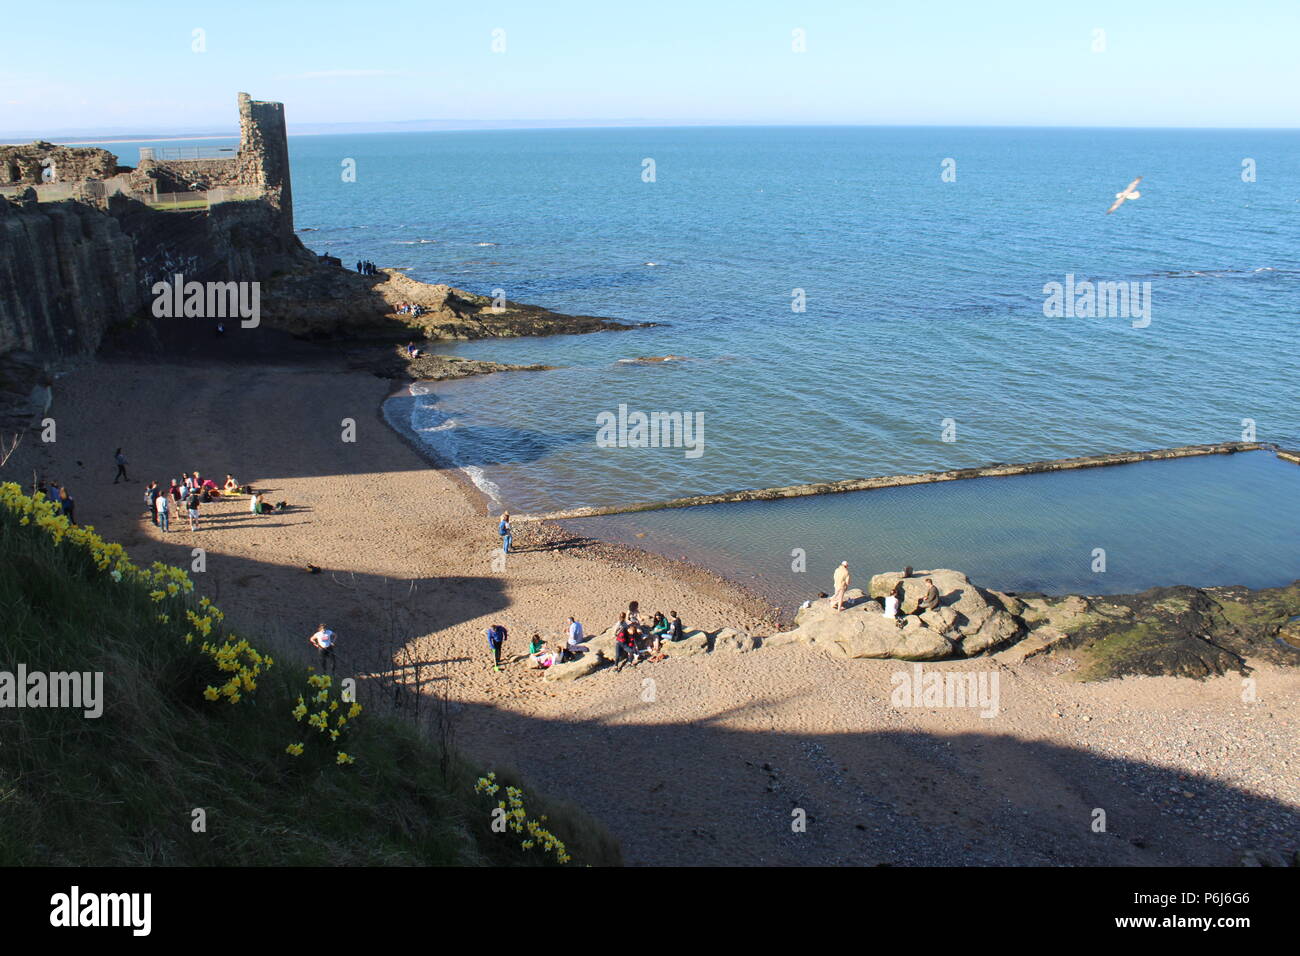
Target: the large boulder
pixel 695 642
pixel 862 630
pixel 600 651
pixel 730 639
pixel 975 619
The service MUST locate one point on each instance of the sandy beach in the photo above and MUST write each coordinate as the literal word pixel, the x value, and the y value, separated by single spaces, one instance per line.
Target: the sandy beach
pixel 710 760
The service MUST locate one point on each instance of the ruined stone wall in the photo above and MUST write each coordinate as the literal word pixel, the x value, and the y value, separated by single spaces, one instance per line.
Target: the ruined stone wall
pixel 26 165
pixel 264 151
pixel 262 161
pixel 186 175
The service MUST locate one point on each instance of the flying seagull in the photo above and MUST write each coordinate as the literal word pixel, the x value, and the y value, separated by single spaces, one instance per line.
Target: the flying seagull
pixel 1130 192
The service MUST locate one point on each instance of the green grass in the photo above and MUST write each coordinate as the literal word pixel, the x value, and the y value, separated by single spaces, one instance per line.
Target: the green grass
pixel 122 789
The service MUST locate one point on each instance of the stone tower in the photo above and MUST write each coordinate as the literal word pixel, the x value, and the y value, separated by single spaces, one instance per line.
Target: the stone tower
pixel 264 152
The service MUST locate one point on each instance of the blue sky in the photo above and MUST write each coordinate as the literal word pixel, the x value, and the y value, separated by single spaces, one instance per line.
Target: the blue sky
pixel 1178 63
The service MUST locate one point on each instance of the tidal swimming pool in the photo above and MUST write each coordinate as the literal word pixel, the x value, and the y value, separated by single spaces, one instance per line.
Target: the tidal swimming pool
pixel 1205 521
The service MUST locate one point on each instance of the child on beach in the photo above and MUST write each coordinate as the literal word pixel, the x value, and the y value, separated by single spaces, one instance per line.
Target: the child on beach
pixel 121 466
pixel 503 529
pixel 496 636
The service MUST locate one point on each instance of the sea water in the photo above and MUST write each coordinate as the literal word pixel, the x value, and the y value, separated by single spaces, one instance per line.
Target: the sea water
pixel 848 302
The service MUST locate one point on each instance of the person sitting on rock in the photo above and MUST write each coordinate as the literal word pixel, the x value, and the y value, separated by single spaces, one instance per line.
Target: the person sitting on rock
pixel 675 630
pixel 624 643
pixel 893 600
pixel 930 600
pixel 574 648
pixel 537 650
pixel 658 631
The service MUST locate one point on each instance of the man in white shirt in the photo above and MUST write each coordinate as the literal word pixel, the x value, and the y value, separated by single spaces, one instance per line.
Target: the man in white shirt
pixel 323 641
pixel 575 646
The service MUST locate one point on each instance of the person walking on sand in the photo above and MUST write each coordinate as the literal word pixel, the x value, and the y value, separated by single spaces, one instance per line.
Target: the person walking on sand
pixel 163 505
pixel 503 529
pixel 323 641
pixel 842 581
pixel 121 466
pixel 496 636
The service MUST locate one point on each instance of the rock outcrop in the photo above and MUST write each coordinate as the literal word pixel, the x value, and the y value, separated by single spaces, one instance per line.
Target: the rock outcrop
pixel 67 272
pixel 968 621
pixel 1179 631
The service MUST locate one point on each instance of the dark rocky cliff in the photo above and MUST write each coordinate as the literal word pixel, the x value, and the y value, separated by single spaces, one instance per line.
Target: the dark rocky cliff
pixel 67 272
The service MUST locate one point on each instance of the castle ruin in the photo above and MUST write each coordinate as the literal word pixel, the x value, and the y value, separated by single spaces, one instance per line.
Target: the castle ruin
pixel 258 170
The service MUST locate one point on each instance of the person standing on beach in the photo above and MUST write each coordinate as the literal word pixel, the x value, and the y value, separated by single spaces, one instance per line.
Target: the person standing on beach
pixel 496 635
pixel 842 581
pixel 192 504
pixel 151 501
pixel 503 529
pixel 323 641
pixel 121 466
pixel 163 505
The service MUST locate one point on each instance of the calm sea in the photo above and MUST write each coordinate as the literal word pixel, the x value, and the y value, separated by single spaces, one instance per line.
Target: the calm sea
pixel 922 341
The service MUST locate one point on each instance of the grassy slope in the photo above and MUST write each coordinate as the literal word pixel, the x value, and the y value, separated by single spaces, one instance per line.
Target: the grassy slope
pixel 121 789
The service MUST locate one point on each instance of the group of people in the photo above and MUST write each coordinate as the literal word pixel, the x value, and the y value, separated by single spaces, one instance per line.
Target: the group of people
pixel 188 492
pixel 410 308
pixel 58 495
pixel 893 603
pixel 366 267
pixel 634 640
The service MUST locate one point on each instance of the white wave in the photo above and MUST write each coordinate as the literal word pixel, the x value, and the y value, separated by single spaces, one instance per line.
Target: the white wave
pixel 483 483
pixel 485 243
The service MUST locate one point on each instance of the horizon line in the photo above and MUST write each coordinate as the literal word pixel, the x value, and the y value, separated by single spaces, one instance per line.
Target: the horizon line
pixel 467 126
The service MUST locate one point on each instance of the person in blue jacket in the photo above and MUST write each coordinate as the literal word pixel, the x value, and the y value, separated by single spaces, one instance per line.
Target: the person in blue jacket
pixel 496 635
